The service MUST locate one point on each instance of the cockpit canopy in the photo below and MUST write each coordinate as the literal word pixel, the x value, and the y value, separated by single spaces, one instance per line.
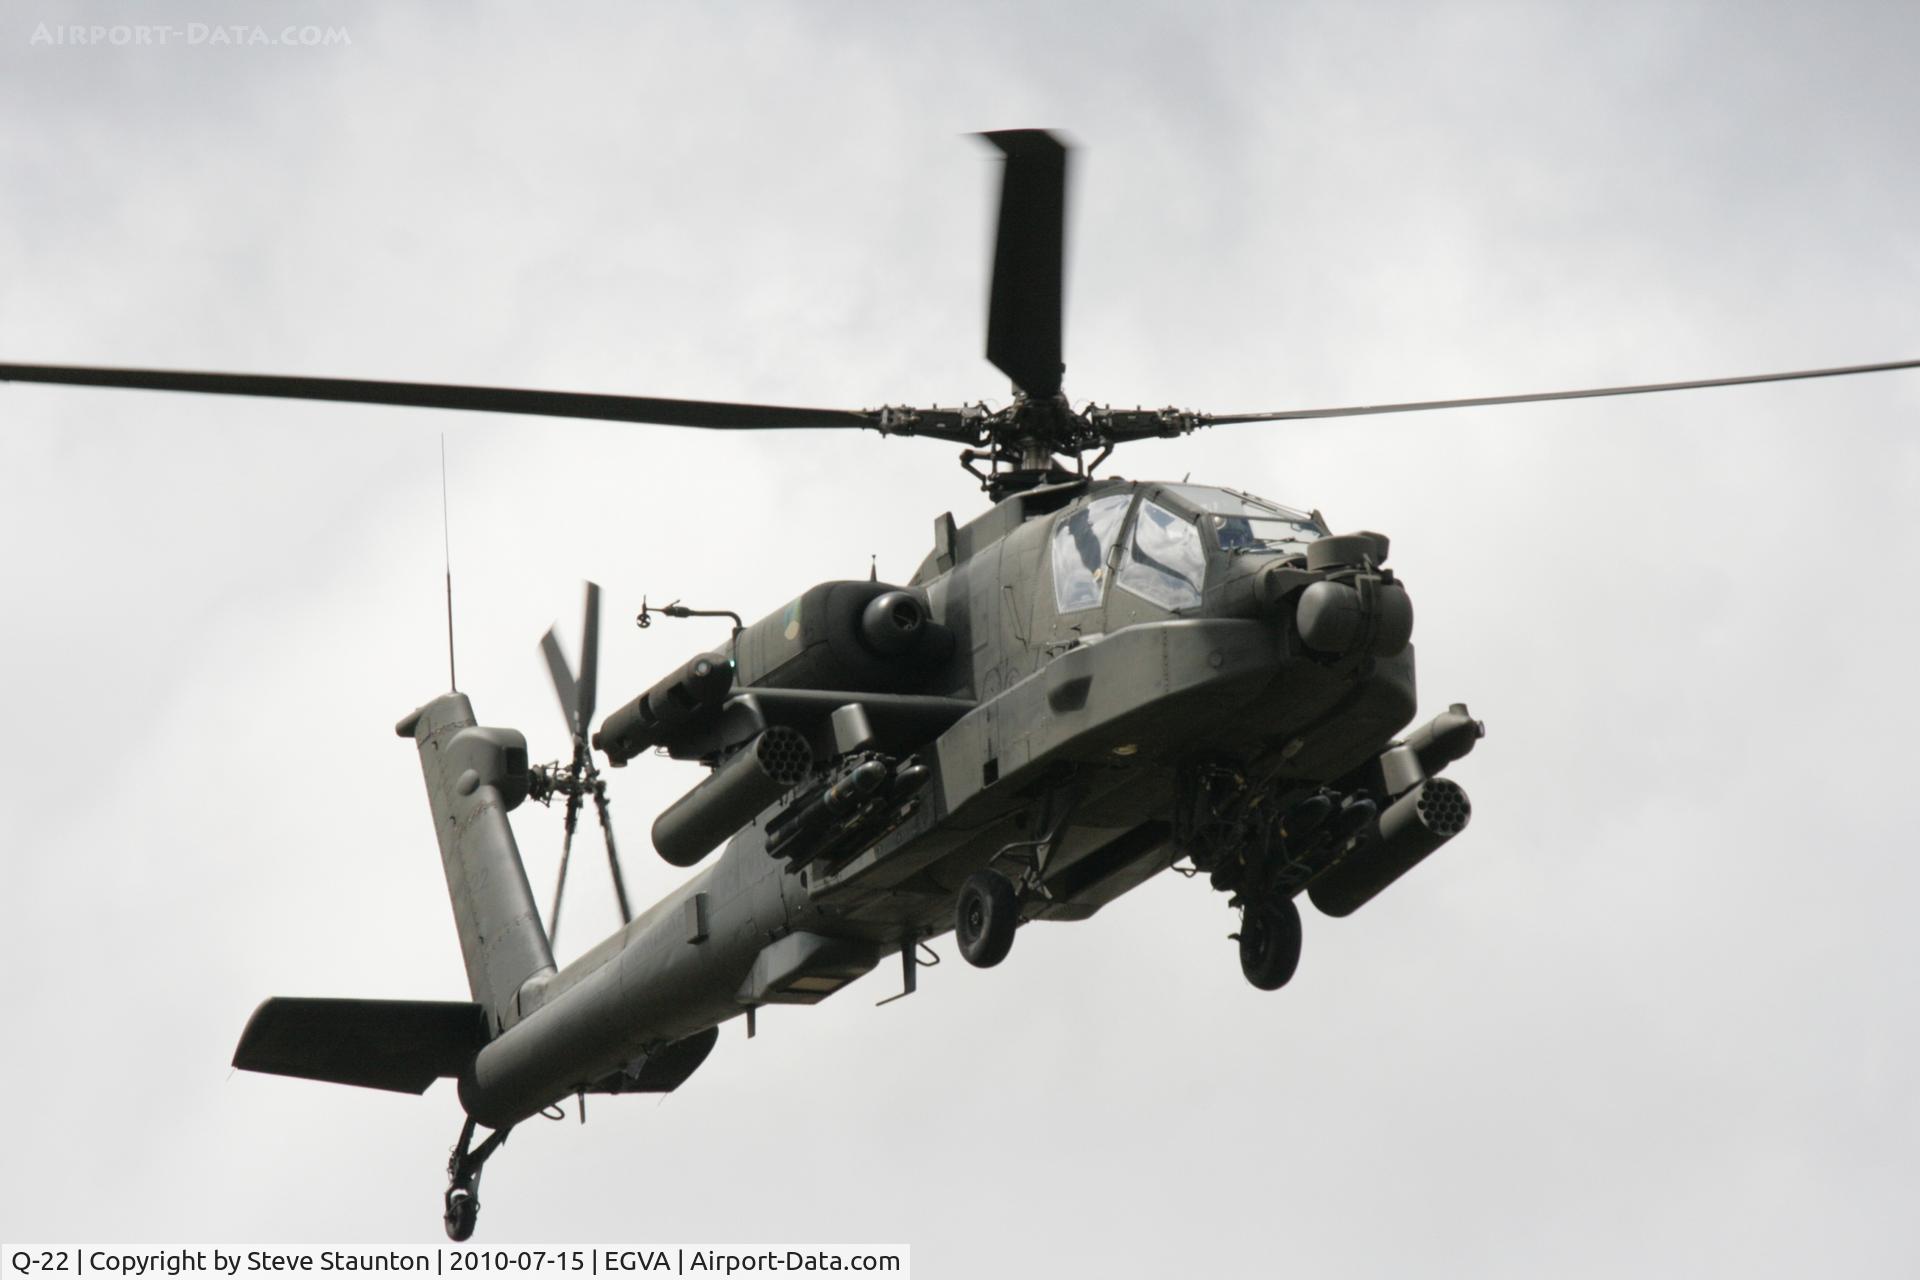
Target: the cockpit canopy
pixel 1241 522
pixel 1162 556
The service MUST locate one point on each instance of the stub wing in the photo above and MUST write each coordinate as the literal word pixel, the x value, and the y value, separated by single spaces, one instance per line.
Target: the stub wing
pixel 401 1045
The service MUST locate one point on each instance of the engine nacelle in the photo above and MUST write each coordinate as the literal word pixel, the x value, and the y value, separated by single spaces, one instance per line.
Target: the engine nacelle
pixel 864 637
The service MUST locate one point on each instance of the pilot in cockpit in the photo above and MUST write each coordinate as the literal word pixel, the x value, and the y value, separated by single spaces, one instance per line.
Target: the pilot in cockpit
pixel 1233 532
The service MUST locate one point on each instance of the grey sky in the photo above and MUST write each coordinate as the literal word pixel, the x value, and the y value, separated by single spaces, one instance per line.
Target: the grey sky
pixel 1654 1012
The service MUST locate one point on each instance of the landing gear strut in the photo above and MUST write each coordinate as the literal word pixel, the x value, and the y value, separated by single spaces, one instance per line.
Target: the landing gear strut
pixel 1263 843
pixel 463 1180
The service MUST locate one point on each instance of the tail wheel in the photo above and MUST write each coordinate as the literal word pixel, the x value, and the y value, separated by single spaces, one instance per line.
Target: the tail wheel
pixel 463 1212
pixel 1270 943
pixel 985 917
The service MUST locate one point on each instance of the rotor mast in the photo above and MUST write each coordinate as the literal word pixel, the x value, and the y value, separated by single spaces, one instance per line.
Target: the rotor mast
pixel 1026 314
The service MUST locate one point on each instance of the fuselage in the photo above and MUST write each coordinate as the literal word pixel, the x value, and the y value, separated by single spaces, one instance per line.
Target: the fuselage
pixel 1104 635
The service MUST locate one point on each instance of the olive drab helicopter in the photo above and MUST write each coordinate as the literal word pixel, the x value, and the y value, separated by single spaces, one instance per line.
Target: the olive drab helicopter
pixel 1090 681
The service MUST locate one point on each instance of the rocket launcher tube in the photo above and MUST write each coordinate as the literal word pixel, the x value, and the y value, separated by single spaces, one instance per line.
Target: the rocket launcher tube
pixel 745 783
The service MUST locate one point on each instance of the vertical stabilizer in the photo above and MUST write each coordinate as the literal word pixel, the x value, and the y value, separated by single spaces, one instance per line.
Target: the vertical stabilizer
pixel 474 777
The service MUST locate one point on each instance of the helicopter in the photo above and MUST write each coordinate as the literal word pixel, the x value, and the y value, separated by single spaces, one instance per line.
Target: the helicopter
pixel 1083 686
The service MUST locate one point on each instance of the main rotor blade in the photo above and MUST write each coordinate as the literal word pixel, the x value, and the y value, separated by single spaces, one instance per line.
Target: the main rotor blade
pixel 1024 308
pixel 589 660
pixel 716 415
pixel 563 682
pixel 1415 406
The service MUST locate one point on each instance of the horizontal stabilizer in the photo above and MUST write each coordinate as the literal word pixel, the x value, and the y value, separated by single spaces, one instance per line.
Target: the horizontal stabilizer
pixel 402 1045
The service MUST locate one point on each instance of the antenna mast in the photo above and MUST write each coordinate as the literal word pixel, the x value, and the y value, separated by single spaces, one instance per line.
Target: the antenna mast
pixel 446 546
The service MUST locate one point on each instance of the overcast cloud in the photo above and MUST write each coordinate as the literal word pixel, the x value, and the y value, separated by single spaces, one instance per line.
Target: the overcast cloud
pixel 1654 1012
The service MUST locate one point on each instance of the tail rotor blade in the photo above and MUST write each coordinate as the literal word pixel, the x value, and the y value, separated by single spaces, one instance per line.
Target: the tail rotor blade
pixel 613 854
pixel 576 703
pixel 589 680
pixel 1024 308
pixel 563 683
pixel 560 882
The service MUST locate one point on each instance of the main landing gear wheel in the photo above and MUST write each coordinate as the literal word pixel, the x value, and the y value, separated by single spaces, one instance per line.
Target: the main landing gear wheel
pixel 985 917
pixel 1270 943
pixel 463 1180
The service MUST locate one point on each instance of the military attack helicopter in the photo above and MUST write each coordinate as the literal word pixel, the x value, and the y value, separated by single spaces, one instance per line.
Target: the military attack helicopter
pixel 1090 682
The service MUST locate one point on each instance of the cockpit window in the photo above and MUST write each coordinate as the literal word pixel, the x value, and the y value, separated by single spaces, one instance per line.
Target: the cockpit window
pixel 1242 522
pixel 1164 563
pixel 1082 538
pixel 1254 533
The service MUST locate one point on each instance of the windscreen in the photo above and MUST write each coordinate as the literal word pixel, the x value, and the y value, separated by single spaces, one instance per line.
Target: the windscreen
pixel 1164 564
pixel 1242 522
pixel 1082 539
